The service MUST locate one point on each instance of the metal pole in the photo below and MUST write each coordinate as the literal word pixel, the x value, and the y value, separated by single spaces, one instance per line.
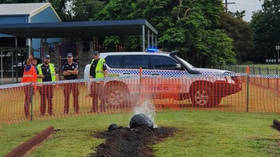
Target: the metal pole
pixel 143 38
pixel 30 47
pixel 41 48
pixel 277 78
pixel 156 43
pixel 13 72
pixel 31 103
pixel 148 36
pixel 226 6
pixel 248 94
pixel 277 56
pixel 153 43
pixel 2 77
pixel 16 52
pixel 267 77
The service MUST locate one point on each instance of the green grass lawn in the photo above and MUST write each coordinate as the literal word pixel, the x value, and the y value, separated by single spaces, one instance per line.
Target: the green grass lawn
pixel 199 133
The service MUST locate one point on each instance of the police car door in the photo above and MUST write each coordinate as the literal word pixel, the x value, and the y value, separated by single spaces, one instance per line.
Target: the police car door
pixel 170 72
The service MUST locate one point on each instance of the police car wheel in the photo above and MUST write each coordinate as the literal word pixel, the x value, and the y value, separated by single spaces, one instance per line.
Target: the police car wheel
pixel 203 97
pixel 116 97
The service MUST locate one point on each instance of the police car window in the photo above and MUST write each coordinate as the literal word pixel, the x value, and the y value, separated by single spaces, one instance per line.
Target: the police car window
pixel 163 63
pixel 136 61
pixel 114 61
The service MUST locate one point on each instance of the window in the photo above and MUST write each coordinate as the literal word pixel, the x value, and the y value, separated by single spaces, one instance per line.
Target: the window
pixel 136 61
pixel 163 63
pixel 114 61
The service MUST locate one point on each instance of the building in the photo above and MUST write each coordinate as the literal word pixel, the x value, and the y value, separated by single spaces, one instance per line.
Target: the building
pixel 23 13
pixel 38 25
pixel 27 13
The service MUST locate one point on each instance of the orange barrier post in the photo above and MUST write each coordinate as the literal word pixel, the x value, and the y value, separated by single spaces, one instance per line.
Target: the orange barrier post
pixel 141 86
pixel 247 69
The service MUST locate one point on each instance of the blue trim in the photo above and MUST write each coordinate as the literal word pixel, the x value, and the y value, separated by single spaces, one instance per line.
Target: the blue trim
pixel 12 19
pixel 78 24
pixel 69 29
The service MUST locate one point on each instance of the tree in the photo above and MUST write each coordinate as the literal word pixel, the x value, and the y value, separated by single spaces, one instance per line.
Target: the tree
pixel 238 14
pixel 60 8
pixel 242 36
pixel 266 24
pixel 184 25
pixel 85 10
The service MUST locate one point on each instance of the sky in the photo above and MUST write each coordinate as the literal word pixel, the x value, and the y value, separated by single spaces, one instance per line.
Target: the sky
pixel 248 5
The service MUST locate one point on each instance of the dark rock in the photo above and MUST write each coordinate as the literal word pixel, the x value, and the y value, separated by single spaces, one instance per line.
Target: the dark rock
pixel 113 127
pixel 140 120
pixel 127 142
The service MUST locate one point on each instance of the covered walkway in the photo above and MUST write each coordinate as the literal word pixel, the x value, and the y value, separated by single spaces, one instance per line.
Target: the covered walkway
pixel 81 29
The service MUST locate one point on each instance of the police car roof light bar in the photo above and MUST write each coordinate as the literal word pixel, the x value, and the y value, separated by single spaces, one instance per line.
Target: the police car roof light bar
pixel 152 49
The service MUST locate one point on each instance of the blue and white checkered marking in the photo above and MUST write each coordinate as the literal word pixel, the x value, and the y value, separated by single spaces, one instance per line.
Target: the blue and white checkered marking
pixel 169 73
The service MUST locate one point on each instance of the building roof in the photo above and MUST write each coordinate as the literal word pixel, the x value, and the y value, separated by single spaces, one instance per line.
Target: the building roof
pixel 78 29
pixel 29 9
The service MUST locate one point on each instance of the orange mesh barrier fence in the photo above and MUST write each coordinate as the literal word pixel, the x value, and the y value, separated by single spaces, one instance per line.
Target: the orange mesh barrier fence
pixel 245 93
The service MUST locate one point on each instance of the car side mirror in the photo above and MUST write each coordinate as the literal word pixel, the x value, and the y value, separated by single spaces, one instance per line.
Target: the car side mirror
pixel 178 66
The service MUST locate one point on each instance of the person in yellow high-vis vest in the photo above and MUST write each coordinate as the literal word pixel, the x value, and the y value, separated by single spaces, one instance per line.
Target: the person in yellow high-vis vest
pixel 46 73
pixel 98 70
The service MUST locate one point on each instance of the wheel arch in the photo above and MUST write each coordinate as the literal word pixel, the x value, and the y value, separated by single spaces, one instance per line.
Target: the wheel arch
pixel 115 83
pixel 200 83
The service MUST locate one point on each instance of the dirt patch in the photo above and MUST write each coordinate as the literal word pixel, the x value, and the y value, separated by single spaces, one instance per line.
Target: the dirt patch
pixel 127 142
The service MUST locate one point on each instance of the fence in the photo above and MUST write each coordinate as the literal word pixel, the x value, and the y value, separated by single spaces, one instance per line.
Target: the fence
pixel 262 76
pixel 254 69
pixel 242 93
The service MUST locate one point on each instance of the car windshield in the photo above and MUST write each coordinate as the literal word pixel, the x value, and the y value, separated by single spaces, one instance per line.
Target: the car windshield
pixel 184 62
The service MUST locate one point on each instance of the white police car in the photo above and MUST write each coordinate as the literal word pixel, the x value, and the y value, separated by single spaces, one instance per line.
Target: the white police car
pixel 205 87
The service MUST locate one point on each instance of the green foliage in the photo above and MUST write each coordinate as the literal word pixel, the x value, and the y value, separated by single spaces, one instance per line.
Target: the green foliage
pixel 110 42
pixel 215 48
pixel 60 6
pixel 131 43
pixel 242 36
pixel 182 25
pixel 266 24
pixel 238 14
pixel 86 9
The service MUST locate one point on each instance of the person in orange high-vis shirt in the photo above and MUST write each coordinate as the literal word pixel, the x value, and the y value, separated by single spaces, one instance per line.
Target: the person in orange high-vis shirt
pixel 29 76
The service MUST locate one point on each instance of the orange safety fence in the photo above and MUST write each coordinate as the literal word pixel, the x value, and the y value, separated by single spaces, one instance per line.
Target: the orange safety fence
pixel 240 93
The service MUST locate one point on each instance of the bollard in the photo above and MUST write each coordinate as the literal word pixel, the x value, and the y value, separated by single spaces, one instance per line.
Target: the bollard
pixel 254 73
pixel 247 92
pixel 141 85
pixel 31 103
pixel 267 70
pixel 247 70
pixel 277 79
